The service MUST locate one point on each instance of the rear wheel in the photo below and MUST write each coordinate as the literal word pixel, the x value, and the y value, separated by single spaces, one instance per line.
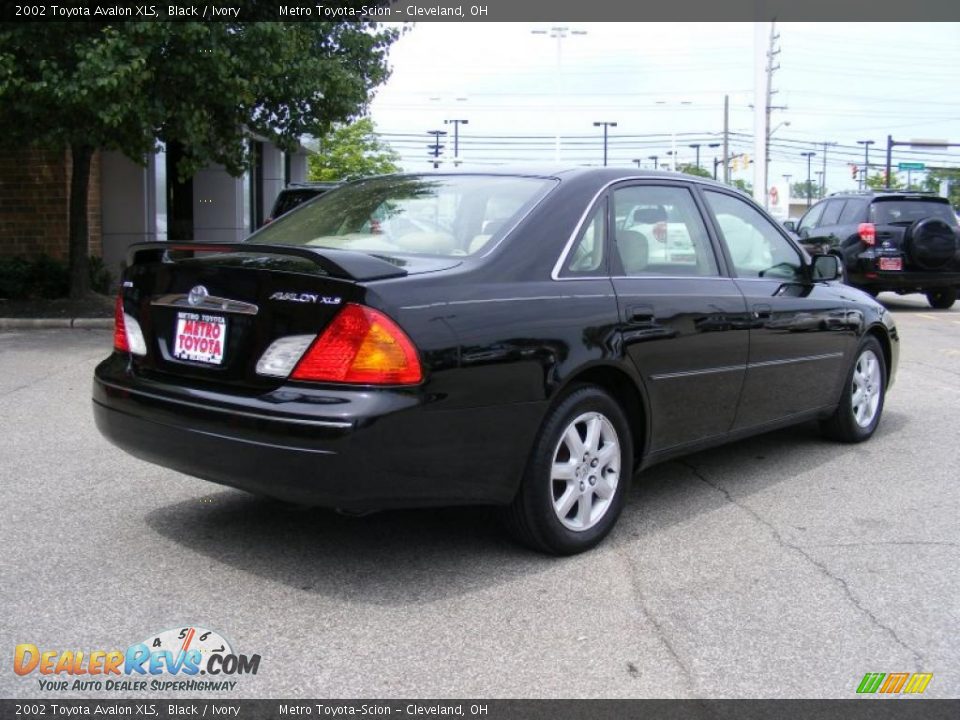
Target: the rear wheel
pixel 576 482
pixel 858 414
pixel 942 298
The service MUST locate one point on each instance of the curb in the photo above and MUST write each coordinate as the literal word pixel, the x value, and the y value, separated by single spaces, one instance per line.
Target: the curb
pixel 55 323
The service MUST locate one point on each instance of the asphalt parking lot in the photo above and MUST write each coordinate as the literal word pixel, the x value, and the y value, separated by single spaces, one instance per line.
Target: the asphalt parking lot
pixel 782 566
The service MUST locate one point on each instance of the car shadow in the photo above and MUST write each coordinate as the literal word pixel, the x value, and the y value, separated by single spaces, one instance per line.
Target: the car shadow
pixel 413 557
pixel 910 304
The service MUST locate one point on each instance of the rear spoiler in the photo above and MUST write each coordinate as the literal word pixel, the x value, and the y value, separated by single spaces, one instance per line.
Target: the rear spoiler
pixel 346 264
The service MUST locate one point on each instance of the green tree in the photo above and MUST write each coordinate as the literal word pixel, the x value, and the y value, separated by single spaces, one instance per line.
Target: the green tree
pixel 934 178
pixel 878 181
pixel 798 191
pixel 352 151
pixel 691 169
pixel 741 184
pixel 83 86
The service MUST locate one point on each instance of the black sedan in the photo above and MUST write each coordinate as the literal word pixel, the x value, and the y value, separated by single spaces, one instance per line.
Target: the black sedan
pixel 526 340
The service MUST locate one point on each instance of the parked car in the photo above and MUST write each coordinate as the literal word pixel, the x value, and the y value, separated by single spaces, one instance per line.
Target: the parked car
pixel 526 347
pixel 890 240
pixel 295 194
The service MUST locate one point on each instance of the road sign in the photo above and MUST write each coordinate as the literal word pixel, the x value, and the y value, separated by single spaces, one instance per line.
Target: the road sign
pixel 911 166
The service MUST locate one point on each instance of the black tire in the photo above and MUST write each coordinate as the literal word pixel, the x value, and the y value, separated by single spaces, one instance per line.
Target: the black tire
pixel 942 298
pixel 531 517
pixel 843 424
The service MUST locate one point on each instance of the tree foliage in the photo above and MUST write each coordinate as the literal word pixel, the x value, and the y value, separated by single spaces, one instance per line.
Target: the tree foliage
pixel 691 169
pixel 878 181
pixel 206 86
pixel 352 151
pixel 798 191
pixel 931 183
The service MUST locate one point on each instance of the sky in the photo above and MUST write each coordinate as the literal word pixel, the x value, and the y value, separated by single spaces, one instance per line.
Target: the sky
pixel 664 86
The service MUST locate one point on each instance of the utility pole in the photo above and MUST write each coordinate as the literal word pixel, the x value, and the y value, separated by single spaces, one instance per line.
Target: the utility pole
pixel 866 162
pixel 761 172
pixel 726 139
pixel 606 125
pixel 456 134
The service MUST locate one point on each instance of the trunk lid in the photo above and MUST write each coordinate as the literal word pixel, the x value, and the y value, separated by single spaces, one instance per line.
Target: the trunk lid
pixel 208 312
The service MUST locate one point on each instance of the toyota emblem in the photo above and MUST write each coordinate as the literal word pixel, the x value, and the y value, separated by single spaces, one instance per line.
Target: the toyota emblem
pixel 197 295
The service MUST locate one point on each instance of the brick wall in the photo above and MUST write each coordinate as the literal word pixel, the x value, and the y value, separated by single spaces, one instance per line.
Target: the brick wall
pixel 34 203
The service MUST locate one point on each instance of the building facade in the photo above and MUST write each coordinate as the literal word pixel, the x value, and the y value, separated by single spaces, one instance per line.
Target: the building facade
pixel 129 202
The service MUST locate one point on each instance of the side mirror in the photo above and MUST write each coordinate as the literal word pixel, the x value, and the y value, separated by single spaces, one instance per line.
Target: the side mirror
pixel 826 267
pixel 790 225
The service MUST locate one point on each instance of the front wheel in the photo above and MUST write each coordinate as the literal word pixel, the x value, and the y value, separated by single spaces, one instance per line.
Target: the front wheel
pixel 942 298
pixel 577 479
pixel 858 414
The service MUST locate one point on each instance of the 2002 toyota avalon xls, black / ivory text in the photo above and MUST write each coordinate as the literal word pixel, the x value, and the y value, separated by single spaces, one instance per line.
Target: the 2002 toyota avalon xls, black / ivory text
pixel 519 339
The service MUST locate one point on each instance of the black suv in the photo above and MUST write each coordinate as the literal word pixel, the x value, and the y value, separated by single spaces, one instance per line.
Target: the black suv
pixel 889 240
pixel 296 194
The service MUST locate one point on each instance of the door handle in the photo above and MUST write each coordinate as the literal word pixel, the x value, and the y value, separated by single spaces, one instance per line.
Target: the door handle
pixel 639 314
pixel 762 312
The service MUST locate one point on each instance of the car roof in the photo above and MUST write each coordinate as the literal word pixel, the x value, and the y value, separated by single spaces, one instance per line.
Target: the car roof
pixel 887 193
pixel 605 175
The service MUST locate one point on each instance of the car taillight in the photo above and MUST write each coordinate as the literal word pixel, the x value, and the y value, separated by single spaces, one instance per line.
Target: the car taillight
pixel 119 328
pixel 364 346
pixel 867 233
pixel 127 335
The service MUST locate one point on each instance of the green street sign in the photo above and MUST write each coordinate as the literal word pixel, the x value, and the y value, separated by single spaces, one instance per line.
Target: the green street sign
pixel 911 166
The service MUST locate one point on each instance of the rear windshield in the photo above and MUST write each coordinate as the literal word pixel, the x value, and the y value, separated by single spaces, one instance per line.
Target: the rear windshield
pixel 422 215
pixel 900 211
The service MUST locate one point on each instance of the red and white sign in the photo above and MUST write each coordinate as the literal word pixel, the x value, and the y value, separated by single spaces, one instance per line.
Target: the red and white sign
pixel 200 338
pixel 891 263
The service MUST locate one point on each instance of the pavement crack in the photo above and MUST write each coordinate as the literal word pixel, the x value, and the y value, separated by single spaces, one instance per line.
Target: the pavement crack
pixel 905 543
pixel 818 564
pixel 661 633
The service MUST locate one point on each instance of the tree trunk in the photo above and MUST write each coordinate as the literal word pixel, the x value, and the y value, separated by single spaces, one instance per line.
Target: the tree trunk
pixel 79 231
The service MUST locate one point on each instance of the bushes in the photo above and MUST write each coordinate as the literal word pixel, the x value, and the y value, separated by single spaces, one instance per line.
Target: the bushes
pixel 45 277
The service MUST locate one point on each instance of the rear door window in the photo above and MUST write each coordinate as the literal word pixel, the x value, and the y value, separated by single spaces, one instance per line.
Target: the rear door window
pixel 831 214
pixel 659 231
pixel 853 212
pixel 810 220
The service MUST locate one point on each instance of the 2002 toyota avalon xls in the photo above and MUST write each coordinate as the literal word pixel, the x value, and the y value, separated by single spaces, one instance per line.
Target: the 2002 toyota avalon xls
pixel 527 340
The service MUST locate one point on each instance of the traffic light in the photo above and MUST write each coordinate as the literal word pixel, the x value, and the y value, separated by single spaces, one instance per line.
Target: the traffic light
pixel 854 171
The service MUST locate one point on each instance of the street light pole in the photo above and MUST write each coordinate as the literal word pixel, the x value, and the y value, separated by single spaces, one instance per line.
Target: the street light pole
pixel 696 147
pixel 558 33
pixel 866 162
pixel 808 156
pixel 606 125
pixel 655 158
pixel 456 134
pixel 637 161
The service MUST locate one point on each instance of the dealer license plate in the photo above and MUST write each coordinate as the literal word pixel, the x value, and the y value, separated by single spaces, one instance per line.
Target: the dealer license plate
pixel 200 338
pixel 891 263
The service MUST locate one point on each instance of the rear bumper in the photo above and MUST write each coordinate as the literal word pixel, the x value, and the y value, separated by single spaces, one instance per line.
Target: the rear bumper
pixel 357 450
pixel 907 281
